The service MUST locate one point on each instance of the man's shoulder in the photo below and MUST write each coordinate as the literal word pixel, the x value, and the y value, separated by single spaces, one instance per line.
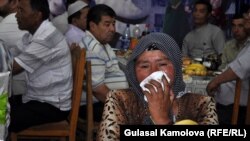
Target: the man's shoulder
pixel 230 43
pixel 213 27
pixel 74 30
pixel 90 42
pixel 190 35
pixel 9 19
pixel 49 36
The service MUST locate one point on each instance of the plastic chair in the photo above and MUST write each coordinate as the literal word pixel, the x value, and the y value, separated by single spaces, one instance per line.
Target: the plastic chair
pixel 67 128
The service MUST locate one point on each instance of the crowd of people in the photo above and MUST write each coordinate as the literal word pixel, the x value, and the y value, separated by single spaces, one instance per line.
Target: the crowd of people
pixel 35 43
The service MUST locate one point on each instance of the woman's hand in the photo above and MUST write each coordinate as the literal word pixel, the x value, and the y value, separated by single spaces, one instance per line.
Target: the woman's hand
pixel 159 101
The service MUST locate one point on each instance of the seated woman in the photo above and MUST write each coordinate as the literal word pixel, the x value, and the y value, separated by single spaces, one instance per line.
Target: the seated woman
pixel 165 105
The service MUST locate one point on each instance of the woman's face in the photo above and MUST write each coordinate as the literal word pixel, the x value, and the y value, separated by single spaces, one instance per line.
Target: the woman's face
pixel 151 61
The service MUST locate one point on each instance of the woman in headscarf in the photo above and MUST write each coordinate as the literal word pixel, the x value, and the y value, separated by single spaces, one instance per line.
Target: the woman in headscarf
pixel 165 105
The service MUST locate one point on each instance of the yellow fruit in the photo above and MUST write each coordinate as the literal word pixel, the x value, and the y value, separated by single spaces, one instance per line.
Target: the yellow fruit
pixel 186 61
pixel 197 65
pixel 197 72
pixel 186 122
pixel 203 73
pixel 195 69
pixel 189 72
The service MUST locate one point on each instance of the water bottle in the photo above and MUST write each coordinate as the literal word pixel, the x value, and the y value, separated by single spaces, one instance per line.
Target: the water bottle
pixel 125 38
pixel 136 36
pixel 136 32
pixel 146 30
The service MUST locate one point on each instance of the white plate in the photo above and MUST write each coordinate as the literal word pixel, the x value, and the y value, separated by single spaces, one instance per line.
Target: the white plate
pixel 217 72
pixel 198 59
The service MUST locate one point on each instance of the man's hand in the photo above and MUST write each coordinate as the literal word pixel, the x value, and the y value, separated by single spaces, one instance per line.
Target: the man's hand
pixel 212 87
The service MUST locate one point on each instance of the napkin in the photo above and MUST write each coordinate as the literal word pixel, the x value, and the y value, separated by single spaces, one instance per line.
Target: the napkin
pixel 155 76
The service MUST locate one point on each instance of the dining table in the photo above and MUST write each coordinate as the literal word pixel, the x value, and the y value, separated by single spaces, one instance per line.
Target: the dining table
pixel 197 84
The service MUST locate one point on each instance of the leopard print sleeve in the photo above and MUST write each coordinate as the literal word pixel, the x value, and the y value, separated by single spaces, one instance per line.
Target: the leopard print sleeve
pixel 114 114
pixel 207 114
pixel 197 107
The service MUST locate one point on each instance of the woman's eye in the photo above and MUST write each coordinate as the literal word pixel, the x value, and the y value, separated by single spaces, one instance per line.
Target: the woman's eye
pixel 144 66
pixel 163 64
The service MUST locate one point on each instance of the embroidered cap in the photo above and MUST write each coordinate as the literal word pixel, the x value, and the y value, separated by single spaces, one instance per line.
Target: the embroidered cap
pixel 76 6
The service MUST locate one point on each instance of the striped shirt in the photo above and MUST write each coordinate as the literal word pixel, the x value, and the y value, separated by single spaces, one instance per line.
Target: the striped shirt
pixel 47 63
pixel 104 65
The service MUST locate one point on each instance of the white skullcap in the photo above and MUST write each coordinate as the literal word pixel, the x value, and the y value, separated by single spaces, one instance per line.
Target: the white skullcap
pixel 76 6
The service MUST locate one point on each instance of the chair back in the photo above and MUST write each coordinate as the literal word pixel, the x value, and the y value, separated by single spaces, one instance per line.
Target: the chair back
pixel 88 126
pixel 90 111
pixel 235 114
pixel 78 57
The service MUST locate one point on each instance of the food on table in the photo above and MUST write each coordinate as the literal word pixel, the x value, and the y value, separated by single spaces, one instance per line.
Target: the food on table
pixel 195 69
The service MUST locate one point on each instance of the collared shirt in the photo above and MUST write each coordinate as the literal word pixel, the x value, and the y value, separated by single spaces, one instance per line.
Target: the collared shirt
pixel 241 67
pixel 47 63
pixel 203 41
pixel 230 52
pixel 104 65
pixel 74 35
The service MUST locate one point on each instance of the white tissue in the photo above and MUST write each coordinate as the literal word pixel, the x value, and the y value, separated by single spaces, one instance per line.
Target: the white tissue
pixel 155 76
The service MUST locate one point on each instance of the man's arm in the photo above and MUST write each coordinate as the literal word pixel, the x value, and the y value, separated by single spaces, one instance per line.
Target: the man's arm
pixel 226 76
pixel 101 92
pixel 16 68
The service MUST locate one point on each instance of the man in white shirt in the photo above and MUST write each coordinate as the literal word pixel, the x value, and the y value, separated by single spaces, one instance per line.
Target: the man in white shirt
pixel 77 19
pixel 10 34
pixel 46 61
